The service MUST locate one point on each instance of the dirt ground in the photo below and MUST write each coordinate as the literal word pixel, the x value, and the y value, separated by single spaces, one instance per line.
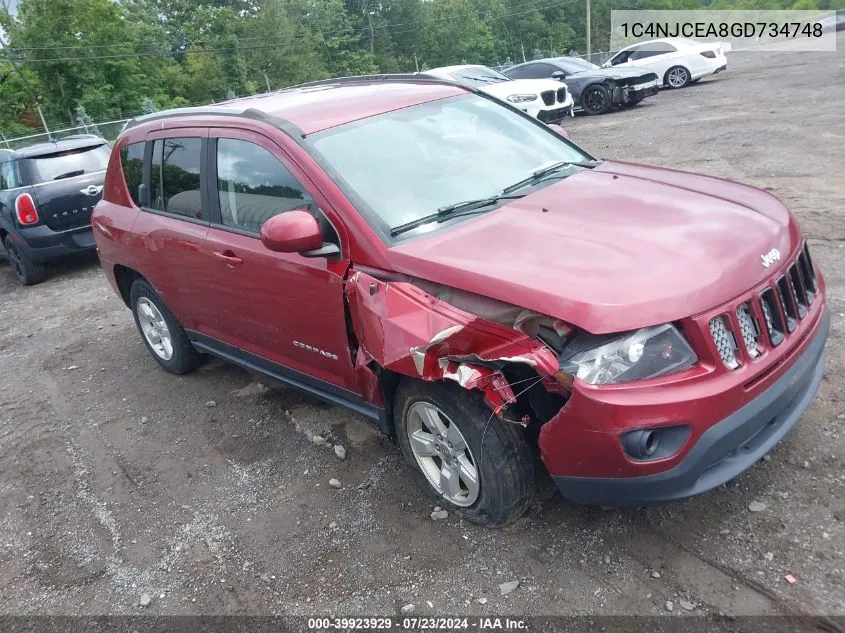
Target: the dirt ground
pixel 205 492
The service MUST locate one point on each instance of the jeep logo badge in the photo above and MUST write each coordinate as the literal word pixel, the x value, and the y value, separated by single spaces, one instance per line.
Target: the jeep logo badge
pixel 770 258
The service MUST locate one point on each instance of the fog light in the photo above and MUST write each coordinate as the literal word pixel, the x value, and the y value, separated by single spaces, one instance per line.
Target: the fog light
pixel 651 444
pixel 641 444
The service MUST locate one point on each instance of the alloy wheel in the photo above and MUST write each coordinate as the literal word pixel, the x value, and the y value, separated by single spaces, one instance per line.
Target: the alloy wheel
pixel 594 100
pixel 442 454
pixel 155 329
pixel 678 77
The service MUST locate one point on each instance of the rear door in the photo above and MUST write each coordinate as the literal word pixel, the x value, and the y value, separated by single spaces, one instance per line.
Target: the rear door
pixel 67 185
pixel 284 311
pixel 170 232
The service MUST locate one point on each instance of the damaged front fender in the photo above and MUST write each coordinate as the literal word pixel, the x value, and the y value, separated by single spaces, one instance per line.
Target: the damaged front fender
pixel 406 330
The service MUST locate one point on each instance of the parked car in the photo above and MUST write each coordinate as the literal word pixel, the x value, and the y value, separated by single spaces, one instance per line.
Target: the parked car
pixel 47 193
pixel 473 283
pixel 544 99
pixel 676 61
pixel 595 90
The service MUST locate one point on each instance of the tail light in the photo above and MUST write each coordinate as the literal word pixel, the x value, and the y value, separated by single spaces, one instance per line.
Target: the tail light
pixel 25 210
pixel 708 54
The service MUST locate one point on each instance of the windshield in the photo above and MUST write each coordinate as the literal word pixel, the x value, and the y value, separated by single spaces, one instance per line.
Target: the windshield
pixel 478 73
pixel 75 162
pixel 575 64
pixel 404 165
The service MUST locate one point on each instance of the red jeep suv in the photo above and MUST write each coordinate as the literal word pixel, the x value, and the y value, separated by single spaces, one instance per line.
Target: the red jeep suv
pixel 472 282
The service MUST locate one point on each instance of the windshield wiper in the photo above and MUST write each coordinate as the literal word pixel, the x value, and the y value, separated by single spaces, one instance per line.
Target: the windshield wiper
pixel 70 174
pixel 548 170
pixel 454 210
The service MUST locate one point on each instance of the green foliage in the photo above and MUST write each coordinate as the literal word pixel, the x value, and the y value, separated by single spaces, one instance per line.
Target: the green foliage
pixel 118 59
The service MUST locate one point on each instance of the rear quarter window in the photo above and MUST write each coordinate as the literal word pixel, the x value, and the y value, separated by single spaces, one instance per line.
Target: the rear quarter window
pixel 132 161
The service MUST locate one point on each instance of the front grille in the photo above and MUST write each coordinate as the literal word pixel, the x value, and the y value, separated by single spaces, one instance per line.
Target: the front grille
pixel 748 328
pixel 553 116
pixel 548 97
pixel 725 342
pixel 561 95
pixel 782 305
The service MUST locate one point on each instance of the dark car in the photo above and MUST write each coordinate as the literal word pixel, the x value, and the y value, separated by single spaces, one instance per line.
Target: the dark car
pixel 472 282
pixel 47 193
pixel 595 90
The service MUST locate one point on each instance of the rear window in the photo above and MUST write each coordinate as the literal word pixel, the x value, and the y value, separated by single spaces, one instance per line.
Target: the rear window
pixel 67 164
pixel 132 160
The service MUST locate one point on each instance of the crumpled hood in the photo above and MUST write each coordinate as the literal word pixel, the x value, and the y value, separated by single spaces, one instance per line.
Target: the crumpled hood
pixel 611 249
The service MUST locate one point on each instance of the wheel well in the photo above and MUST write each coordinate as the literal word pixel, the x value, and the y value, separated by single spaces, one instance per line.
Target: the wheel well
pixel 125 277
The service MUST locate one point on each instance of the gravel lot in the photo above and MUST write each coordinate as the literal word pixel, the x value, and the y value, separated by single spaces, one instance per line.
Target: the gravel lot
pixel 205 493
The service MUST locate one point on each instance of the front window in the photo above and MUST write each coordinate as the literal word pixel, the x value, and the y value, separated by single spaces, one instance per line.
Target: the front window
pixel 253 186
pixel 69 163
pixel 405 165
pixel 481 74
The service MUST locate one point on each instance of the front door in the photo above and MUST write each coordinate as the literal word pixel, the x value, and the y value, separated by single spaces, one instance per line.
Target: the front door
pixel 284 308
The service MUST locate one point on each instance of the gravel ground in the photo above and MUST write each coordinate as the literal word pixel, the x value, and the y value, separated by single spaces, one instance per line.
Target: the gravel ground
pixel 122 485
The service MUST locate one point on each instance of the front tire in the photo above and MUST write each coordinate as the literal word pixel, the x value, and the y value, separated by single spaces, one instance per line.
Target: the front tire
pixel 596 100
pixel 26 271
pixel 161 332
pixel 676 77
pixel 466 459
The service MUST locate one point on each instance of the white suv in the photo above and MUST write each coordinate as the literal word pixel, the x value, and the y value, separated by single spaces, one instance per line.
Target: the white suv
pixel 548 100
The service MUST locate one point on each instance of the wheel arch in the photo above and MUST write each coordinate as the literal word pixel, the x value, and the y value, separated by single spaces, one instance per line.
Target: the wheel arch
pixel 125 277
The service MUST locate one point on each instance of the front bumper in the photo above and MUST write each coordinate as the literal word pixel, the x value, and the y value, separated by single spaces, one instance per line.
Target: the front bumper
pixel 726 449
pixel 642 91
pixel 43 244
pixel 556 115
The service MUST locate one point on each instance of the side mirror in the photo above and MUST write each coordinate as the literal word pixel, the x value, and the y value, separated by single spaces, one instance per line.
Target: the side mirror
pixel 559 75
pixel 291 232
pixel 559 130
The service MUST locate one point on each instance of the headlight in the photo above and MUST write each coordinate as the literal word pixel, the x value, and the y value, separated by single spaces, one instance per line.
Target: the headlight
pixel 646 353
pixel 521 98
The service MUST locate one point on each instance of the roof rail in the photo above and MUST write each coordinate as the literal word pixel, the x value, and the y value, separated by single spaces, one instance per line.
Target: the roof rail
pixel 250 113
pixel 394 77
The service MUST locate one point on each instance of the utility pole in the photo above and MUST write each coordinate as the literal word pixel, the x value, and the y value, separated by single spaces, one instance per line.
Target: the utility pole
pixel 589 46
pixel 28 89
pixel 370 22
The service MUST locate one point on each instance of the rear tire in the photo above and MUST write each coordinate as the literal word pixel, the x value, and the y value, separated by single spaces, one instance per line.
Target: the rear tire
pixel 25 270
pixel 161 332
pixel 504 469
pixel 596 99
pixel 676 77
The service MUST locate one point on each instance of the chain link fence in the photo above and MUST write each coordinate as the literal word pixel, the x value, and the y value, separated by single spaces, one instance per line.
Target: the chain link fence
pixel 108 130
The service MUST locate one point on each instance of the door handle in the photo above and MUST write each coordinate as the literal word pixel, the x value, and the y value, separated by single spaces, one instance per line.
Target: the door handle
pixel 228 258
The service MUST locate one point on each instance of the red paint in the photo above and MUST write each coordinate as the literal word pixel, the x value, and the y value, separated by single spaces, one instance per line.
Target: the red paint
pixel 291 232
pixel 612 249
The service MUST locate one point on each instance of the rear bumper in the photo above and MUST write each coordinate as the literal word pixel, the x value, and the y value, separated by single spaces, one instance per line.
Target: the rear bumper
pixel 723 451
pixel 43 244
